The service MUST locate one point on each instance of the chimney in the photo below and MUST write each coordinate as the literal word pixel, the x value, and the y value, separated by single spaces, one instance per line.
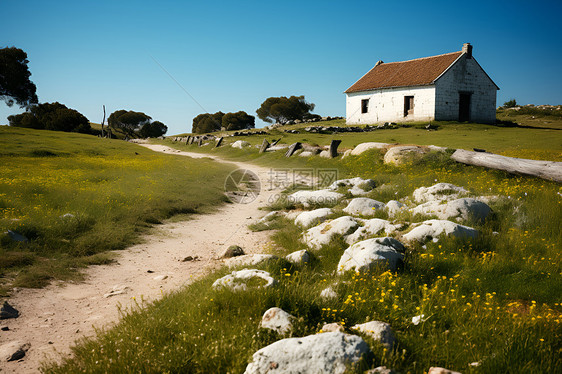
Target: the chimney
pixel 379 62
pixel 467 48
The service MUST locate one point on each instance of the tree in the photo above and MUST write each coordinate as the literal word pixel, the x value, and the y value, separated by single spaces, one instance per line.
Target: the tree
pixel 153 129
pixel 207 122
pixel 15 85
pixel 128 121
pixel 510 104
pixel 238 121
pixel 52 116
pixel 283 109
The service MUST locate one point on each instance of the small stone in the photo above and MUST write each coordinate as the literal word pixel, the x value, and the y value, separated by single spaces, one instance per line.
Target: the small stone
pixel 160 277
pixel 150 271
pixel 117 290
pixel 416 320
pixel 278 320
pixel 17 237
pixel 299 257
pixel 13 351
pixel 379 331
pixel 438 370
pixel 5 328
pixel 380 370
pixel 233 251
pixel 8 311
pixel 190 258
pixel 333 327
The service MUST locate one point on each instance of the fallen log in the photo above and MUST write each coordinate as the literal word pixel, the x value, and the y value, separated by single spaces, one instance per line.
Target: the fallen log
pixel 543 169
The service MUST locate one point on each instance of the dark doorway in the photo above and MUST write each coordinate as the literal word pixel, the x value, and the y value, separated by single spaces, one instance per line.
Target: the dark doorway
pixel 408 105
pixel 464 107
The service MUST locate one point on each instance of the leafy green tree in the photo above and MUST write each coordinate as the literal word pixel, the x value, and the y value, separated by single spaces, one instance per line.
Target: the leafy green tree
pixel 15 85
pixel 52 116
pixel 283 109
pixel 128 121
pixel 153 129
pixel 510 104
pixel 238 121
pixel 207 122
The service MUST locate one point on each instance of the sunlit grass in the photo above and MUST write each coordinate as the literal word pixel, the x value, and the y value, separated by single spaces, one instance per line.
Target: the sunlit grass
pixel 74 196
pixel 489 305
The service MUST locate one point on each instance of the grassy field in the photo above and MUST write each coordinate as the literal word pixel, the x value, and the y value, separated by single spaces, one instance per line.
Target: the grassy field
pixel 537 138
pixel 75 197
pixel 491 304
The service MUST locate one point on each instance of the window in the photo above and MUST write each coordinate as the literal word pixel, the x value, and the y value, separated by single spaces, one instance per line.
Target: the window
pixel 364 105
pixel 408 105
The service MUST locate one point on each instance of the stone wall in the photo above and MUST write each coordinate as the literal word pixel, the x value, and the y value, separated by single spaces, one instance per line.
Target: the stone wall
pixel 465 75
pixel 388 105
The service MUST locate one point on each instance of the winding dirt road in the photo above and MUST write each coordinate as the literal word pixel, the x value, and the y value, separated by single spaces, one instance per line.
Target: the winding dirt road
pixel 53 318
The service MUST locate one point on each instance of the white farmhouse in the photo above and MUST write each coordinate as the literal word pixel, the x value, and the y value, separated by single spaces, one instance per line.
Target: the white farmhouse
pixel 448 87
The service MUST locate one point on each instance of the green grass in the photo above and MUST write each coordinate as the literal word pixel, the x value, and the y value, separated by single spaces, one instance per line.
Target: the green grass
pixel 494 300
pixel 533 138
pixel 76 196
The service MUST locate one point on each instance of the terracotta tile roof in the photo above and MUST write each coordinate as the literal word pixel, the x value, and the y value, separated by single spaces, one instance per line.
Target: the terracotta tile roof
pixel 418 72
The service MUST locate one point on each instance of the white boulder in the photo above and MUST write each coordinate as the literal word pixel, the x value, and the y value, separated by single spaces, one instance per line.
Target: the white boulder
pixel 278 320
pixel 461 209
pixel 367 254
pixel 364 184
pixel 393 207
pixel 306 154
pixel 363 206
pixel 331 353
pixel 325 154
pixel 435 227
pixel 379 331
pixel 307 219
pixel 318 197
pixel 249 260
pixel 400 154
pixel 240 144
pixel 317 236
pixel 438 192
pixel 236 281
pixel 371 228
pixel 363 147
pixel 328 293
pixel 299 257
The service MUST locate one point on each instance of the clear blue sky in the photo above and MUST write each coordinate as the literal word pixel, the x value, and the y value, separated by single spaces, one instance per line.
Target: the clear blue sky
pixel 232 55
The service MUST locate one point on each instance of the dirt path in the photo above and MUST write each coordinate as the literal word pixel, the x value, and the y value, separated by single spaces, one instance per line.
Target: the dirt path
pixel 51 319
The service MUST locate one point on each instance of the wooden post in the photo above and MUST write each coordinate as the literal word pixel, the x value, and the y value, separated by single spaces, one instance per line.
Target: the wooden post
pixel 103 120
pixel 264 146
pixel 191 140
pixel 219 142
pixel 187 140
pixel 334 148
pixel 292 148
pixel 200 142
pixel 543 169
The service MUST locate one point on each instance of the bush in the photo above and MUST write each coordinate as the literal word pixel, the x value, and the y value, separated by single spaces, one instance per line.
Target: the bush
pixel 52 116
